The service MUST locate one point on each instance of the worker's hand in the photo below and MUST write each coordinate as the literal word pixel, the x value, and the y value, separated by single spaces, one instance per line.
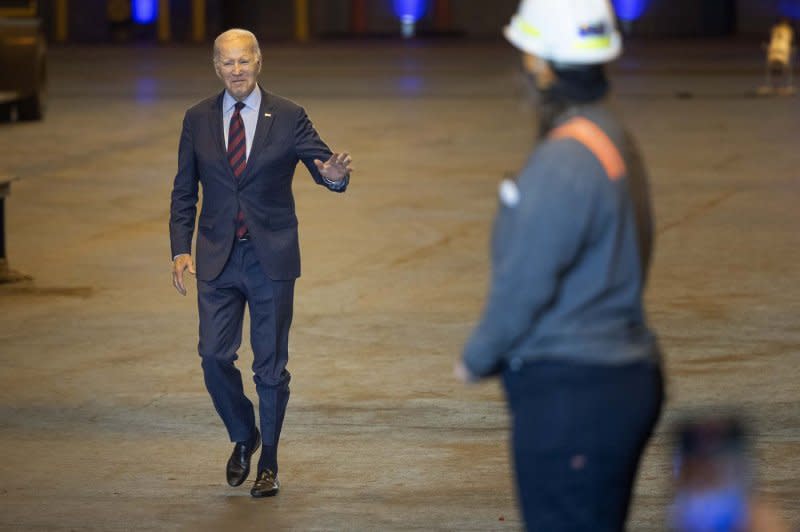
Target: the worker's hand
pixel 462 373
pixel 335 168
pixel 179 266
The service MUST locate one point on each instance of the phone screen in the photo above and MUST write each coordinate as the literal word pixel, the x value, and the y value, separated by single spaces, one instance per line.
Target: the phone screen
pixel 713 478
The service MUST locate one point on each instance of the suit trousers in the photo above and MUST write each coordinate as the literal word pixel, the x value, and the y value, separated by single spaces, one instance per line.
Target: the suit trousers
pixel 579 431
pixel 221 304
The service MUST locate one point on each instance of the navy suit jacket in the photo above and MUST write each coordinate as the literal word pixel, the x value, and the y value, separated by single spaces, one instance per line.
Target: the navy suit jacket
pixel 284 136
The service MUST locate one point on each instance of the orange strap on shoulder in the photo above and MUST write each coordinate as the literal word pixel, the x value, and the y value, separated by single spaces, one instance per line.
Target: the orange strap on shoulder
pixel 595 139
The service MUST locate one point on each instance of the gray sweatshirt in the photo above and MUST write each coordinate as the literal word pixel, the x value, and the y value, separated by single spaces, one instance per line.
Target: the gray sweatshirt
pixel 570 252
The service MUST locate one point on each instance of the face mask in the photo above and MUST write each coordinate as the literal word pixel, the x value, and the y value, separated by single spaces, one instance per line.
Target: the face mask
pixel 546 103
pixel 531 85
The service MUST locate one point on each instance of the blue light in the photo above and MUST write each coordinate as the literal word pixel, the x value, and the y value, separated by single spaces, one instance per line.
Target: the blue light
pixel 790 8
pixel 410 11
pixel 629 10
pixel 144 11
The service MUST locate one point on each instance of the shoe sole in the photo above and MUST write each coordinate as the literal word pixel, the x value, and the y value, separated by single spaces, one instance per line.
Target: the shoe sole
pixel 264 495
pixel 246 471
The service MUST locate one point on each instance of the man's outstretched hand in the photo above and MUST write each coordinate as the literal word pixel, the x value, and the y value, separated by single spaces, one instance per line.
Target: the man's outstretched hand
pixel 179 266
pixel 335 168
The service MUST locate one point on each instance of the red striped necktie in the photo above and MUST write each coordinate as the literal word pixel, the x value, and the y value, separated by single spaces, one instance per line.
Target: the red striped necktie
pixel 237 157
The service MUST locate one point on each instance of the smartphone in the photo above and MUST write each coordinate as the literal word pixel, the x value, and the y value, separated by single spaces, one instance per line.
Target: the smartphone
pixel 712 474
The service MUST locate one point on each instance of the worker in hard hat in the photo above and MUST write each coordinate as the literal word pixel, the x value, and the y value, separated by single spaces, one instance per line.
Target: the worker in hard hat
pixel 779 55
pixel 564 322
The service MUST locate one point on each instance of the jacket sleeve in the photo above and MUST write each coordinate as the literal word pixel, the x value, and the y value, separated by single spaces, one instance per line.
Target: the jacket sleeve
pixel 536 239
pixel 309 146
pixel 183 207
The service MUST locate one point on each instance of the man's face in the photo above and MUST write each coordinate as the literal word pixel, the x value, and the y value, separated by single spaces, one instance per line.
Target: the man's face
pixel 238 65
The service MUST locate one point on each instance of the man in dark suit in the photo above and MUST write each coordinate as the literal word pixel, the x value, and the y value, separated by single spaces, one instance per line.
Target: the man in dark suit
pixel 243 146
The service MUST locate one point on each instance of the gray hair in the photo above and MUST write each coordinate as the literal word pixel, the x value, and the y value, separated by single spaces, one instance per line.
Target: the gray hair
pixel 236 33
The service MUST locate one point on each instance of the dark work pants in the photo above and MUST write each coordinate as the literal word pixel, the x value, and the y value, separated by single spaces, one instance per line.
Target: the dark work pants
pixel 578 433
pixel 221 305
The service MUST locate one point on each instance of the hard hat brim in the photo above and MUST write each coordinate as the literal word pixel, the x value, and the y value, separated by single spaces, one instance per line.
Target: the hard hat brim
pixel 521 41
pixel 535 46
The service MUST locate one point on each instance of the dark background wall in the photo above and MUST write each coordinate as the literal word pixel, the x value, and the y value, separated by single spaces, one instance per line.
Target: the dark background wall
pixel 755 15
pixel 273 20
pixel 688 18
pixel 472 18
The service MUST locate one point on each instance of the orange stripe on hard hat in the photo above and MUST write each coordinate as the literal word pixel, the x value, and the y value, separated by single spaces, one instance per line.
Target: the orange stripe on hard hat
pixel 595 139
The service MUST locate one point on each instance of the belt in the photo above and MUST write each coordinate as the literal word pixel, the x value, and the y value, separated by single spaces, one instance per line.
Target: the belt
pixel 244 238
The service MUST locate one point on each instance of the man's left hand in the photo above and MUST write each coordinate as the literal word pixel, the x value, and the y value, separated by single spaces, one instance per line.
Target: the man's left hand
pixel 335 168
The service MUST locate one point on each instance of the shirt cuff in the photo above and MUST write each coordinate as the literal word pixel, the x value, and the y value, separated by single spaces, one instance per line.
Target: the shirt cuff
pixel 479 360
pixel 335 185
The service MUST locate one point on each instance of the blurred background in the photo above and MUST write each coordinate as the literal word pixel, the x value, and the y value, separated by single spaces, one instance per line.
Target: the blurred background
pixel 104 420
pixel 103 21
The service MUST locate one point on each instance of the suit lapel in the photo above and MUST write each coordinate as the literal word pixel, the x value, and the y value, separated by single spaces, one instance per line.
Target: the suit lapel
pixel 215 122
pixel 260 140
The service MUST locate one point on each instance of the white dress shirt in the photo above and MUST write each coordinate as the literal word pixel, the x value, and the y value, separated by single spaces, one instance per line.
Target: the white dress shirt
pixel 249 113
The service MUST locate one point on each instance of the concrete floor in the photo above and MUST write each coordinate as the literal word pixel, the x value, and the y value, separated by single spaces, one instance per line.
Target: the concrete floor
pixel 104 420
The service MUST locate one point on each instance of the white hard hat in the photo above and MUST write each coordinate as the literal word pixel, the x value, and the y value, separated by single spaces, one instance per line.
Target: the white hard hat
pixel 580 32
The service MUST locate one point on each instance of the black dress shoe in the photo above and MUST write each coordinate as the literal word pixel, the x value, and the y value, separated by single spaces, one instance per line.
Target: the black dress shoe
pixel 239 462
pixel 267 484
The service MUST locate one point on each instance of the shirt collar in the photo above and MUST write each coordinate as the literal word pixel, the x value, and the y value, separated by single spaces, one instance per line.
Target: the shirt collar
pixel 253 100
